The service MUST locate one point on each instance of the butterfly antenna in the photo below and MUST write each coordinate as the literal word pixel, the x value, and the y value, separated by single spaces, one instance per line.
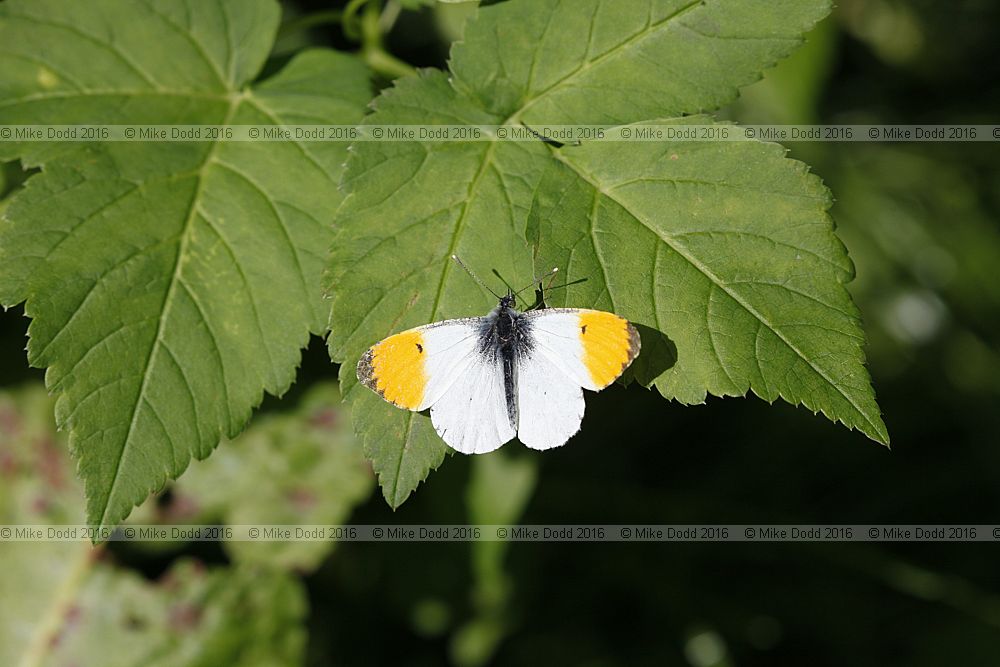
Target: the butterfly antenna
pixel 474 276
pixel 553 274
pixel 539 279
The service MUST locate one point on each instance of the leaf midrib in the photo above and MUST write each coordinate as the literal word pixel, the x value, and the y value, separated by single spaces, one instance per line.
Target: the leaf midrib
pixel 455 236
pixel 681 250
pixel 586 65
pixel 165 308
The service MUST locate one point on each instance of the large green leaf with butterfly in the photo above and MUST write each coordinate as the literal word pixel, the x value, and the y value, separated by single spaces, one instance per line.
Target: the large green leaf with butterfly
pixel 722 253
pixel 171 284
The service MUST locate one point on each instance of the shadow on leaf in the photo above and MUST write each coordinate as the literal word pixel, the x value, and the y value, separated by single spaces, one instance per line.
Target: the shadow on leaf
pixel 658 355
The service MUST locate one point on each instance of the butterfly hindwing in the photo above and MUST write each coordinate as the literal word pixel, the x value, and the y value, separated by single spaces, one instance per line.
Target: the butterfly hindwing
pixel 549 403
pixel 472 416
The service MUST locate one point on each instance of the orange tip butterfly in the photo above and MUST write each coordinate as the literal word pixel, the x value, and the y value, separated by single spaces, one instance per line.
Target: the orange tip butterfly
pixel 510 373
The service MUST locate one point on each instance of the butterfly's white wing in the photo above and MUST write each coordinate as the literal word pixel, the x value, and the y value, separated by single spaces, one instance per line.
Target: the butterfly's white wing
pixel 549 403
pixel 472 415
pixel 592 347
pixel 440 366
pixel 570 348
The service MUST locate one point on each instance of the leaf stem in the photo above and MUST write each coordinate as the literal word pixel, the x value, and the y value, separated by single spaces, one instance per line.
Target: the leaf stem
pixel 372 50
pixel 350 21
pixel 52 621
pixel 387 64
pixel 389 16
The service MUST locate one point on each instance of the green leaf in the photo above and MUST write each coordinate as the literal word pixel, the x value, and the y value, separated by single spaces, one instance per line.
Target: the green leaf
pixel 596 62
pixel 170 284
pixel 726 248
pixel 193 616
pixel 37 487
pixel 411 204
pixel 304 467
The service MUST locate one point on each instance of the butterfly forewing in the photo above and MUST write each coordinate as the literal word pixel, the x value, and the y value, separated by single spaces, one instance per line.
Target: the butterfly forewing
pixel 413 369
pixel 446 367
pixel 592 347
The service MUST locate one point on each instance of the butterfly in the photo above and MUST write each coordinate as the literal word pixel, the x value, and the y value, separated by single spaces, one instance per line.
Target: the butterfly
pixel 510 373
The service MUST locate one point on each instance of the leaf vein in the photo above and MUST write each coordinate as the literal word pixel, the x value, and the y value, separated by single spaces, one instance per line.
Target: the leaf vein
pixel 91 290
pixel 587 64
pixel 176 278
pixel 190 390
pixel 186 34
pixel 299 272
pixel 682 251
pixel 791 246
pixel 246 283
pixel 106 46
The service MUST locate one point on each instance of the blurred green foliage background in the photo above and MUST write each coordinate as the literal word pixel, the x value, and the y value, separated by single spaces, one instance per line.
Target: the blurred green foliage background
pixel 920 221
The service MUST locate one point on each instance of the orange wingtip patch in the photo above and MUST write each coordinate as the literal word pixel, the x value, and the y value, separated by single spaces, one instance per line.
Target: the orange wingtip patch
pixel 395 369
pixel 610 344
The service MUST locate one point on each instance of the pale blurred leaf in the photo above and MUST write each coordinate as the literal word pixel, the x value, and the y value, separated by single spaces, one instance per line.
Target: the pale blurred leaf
pixel 303 467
